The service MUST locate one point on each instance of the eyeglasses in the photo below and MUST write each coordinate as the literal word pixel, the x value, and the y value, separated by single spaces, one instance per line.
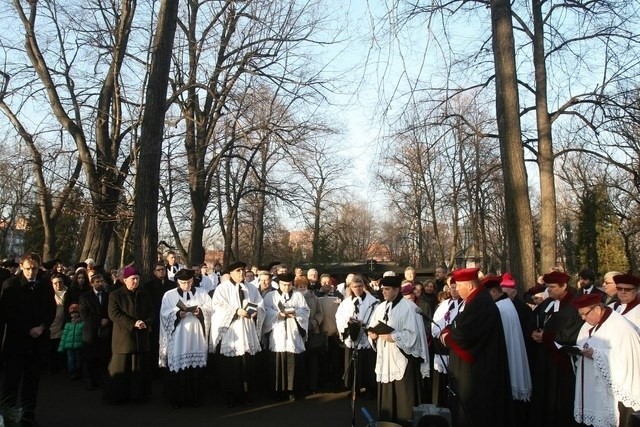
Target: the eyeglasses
pixel 587 313
pixel 619 289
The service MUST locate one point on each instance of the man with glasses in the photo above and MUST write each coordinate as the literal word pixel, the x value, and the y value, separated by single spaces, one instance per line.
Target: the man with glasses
pixel 628 304
pixel 608 369
pixel 609 288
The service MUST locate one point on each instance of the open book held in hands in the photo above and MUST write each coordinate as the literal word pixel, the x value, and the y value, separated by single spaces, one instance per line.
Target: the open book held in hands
pixel 571 349
pixel 285 310
pixel 381 329
pixel 182 306
pixel 250 307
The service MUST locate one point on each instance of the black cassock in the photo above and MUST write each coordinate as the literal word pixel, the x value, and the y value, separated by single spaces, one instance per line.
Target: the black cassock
pixel 553 376
pixel 478 366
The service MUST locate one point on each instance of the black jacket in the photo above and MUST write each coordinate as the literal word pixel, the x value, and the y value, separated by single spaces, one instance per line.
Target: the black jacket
pixel 24 306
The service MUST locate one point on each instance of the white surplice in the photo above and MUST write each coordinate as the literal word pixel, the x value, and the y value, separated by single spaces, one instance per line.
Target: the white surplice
pixel 612 376
pixel 409 335
pixel 346 312
pixel 632 315
pixel 443 317
pixel 516 351
pixel 184 343
pixel 284 334
pixel 236 335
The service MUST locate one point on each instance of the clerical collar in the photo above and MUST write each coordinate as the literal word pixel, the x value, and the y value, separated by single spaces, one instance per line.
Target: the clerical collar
pixel 397 300
pixel 290 293
pixel 362 297
pixel 181 292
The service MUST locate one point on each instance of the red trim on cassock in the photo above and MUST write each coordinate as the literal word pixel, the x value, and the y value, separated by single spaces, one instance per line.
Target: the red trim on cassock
pixel 453 346
pixel 631 305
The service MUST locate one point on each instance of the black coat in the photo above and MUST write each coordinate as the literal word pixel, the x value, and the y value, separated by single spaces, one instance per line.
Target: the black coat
pixel 478 366
pixel 92 312
pixel 125 309
pixel 553 377
pixel 23 307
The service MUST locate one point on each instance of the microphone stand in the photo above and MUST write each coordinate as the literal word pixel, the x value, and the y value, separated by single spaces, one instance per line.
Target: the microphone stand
pixel 353 363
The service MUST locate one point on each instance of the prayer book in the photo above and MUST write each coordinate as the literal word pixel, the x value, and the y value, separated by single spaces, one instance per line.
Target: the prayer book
pixel 285 310
pixel 571 349
pixel 182 306
pixel 381 329
pixel 251 308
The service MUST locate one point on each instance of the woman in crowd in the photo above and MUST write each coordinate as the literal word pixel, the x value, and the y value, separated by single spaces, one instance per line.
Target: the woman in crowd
pixel 56 359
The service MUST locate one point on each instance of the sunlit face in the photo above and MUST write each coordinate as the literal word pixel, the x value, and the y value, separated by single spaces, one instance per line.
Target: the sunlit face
pixel 312 275
pixel 237 275
pixel 464 288
pixel 417 290
pixel 297 271
pixel 132 282
pixel 410 275
pixel 265 281
pixel 441 273
pixel 29 269
pixel 609 285
pixel 557 290
pixel 171 259
pixel 357 287
pixel 591 315
pixel 285 287
pixel 626 293
pixel 390 293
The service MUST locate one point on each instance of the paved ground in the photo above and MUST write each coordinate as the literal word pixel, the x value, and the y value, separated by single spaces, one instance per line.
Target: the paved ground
pixel 64 403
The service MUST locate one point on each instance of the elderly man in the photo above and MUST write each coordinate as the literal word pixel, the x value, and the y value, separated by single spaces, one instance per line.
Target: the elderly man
pixel 609 287
pixel 185 316
pixel 556 321
pixel 132 313
pixel 608 373
pixel 352 316
pixel 628 304
pixel 234 334
pixel 478 367
pixel 314 282
pixel 396 332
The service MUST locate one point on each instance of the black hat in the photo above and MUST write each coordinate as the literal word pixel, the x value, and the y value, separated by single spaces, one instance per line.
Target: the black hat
pixel 587 274
pixel 374 275
pixel 184 274
pixel 48 265
pixel 9 263
pixel 273 264
pixel 235 265
pixel 393 281
pixel 286 277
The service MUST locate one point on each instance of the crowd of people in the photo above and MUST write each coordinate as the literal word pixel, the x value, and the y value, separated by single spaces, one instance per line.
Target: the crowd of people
pixel 556 356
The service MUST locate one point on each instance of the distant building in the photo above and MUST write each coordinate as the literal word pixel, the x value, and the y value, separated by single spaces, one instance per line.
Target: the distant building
pixel 13 236
pixel 301 241
pixel 379 252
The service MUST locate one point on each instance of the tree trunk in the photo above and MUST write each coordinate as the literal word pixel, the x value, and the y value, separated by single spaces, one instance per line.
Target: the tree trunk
pixel 96 242
pixel 519 224
pixel 145 220
pixel 548 231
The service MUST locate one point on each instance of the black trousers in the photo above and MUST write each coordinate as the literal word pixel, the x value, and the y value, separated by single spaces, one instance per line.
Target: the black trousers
pixel 25 368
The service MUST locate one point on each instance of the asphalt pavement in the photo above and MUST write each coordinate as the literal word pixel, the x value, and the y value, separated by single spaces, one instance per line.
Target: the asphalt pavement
pixel 64 403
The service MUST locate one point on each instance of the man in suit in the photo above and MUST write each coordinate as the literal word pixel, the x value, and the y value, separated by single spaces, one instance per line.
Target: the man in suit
pixel 27 309
pixel 587 283
pixel 96 332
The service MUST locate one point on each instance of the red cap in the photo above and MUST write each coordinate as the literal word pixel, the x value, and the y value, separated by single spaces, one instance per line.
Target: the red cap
pixel 556 277
pixel 491 281
pixel 128 272
pixel 587 300
pixel 465 274
pixel 627 279
pixel 508 281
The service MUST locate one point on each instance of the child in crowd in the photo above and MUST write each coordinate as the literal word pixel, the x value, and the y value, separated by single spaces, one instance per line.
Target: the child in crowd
pixel 71 342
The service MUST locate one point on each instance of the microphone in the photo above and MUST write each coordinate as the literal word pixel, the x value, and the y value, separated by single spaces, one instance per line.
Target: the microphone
pixel 424 315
